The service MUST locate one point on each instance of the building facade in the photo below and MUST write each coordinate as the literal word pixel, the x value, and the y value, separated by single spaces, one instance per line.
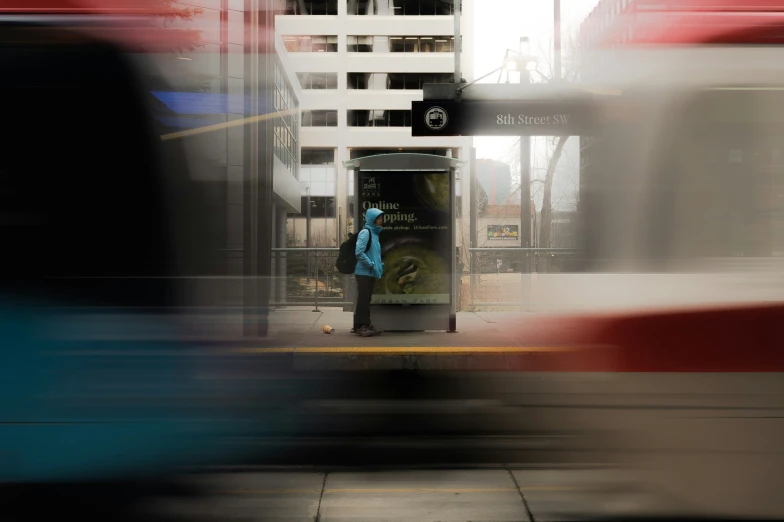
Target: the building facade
pixel 495 177
pixel 360 65
pixel 234 103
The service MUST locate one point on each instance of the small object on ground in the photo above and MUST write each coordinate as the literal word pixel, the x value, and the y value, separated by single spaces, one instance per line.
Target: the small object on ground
pixel 328 329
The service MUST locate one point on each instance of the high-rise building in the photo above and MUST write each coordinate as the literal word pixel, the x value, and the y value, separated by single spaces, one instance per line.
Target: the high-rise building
pixel 495 177
pixel 360 64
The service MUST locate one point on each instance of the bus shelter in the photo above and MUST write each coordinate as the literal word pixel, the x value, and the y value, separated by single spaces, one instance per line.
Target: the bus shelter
pixel 416 192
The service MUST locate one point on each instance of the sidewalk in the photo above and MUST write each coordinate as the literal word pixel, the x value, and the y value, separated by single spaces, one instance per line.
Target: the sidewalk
pixel 302 329
pixel 483 341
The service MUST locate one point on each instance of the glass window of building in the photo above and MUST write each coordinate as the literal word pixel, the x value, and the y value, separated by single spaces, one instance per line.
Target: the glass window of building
pixel 317 182
pixel 359 44
pixel 311 44
pixel 400 7
pixel 318 157
pixel 400 44
pixel 320 118
pixel 379 118
pixel 362 7
pixel 311 7
pixel 320 207
pixel 396 81
pixel 286 136
pixel 318 80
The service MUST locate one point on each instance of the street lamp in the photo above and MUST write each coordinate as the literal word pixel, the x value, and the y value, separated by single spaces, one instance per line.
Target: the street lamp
pixel 520 63
pixel 524 63
pixel 517 61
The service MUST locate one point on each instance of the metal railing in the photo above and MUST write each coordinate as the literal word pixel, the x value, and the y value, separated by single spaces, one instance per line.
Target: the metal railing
pixel 516 260
pixel 316 265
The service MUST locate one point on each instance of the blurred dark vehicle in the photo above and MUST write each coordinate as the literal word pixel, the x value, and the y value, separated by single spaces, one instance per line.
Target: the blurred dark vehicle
pixel 105 235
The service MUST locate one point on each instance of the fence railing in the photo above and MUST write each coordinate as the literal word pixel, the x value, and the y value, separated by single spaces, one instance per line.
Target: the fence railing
pixel 310 278
pixel 306 276
pixel 491 282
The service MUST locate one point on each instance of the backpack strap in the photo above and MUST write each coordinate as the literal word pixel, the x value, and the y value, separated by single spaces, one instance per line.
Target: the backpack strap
pixel 370 239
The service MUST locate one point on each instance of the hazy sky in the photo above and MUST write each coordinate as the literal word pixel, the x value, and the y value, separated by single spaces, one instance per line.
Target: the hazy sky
pixel 499 24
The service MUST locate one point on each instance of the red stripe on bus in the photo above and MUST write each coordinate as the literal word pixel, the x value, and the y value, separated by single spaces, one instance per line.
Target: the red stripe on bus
pixel 742 339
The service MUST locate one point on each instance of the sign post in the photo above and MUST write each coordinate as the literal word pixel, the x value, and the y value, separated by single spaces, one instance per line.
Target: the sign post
pixel 500 118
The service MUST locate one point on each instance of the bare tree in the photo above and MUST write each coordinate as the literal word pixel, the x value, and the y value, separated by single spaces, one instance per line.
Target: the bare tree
pixel 570 73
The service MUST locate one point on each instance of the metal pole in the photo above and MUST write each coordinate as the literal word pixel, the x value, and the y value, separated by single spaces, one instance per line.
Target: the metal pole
pixel 282 257
pixel 307 228
pixel 317 279
pixel 525 195
pixel 472 221
pixel 453 218
pixel 557 39
pixel 458 46
pixel 525 179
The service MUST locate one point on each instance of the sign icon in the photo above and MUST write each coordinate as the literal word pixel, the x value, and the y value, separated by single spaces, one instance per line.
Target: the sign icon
pixel 436 118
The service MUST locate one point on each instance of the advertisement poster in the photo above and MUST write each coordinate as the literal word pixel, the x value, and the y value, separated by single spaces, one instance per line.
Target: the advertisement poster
pixel 417 239
pixel 502 232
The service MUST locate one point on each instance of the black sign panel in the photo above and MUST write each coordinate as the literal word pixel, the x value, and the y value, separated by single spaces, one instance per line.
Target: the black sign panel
pixel 436 118
pixel 417 236
pixel 501 118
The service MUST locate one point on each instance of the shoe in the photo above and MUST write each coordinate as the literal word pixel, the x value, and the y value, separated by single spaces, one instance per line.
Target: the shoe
pixel 375 330
pixel 365 332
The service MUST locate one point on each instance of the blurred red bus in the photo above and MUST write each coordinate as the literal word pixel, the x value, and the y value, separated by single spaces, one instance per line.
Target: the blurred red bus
pixel 676 334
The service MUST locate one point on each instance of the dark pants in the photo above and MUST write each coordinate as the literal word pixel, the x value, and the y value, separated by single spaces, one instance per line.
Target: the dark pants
pixel 365 286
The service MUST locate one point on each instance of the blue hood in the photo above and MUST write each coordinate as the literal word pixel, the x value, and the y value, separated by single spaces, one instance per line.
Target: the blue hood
pixel 370 218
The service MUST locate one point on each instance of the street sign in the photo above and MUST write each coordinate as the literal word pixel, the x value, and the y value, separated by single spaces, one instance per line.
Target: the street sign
pixel 500 118
pixel 435 118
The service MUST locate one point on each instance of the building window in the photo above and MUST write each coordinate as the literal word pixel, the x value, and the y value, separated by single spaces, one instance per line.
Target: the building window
pixel 400 44
pixel 320 207
pixel 362 7
pixel 286 135
pixel 359 44
pixel 321 118
pixel 311 7
pixel 320 179
pixel 317 179
pixel 379 118
pixel 371 81
pixel 318 80
pixel 400 7
pixel 311 44
pixel 396 81
pixel 317 157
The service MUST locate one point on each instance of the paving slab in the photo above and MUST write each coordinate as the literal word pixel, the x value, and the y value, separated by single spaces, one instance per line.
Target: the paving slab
pixel 422 496
pixel 265 496
pixel 590 494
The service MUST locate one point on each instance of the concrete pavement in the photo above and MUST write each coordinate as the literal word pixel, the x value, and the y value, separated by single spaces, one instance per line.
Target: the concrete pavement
pixel 417 495
pixel 301 327
pixel 484 340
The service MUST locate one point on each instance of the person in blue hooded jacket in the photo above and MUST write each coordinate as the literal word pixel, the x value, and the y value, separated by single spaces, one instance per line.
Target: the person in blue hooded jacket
pixel 369 268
